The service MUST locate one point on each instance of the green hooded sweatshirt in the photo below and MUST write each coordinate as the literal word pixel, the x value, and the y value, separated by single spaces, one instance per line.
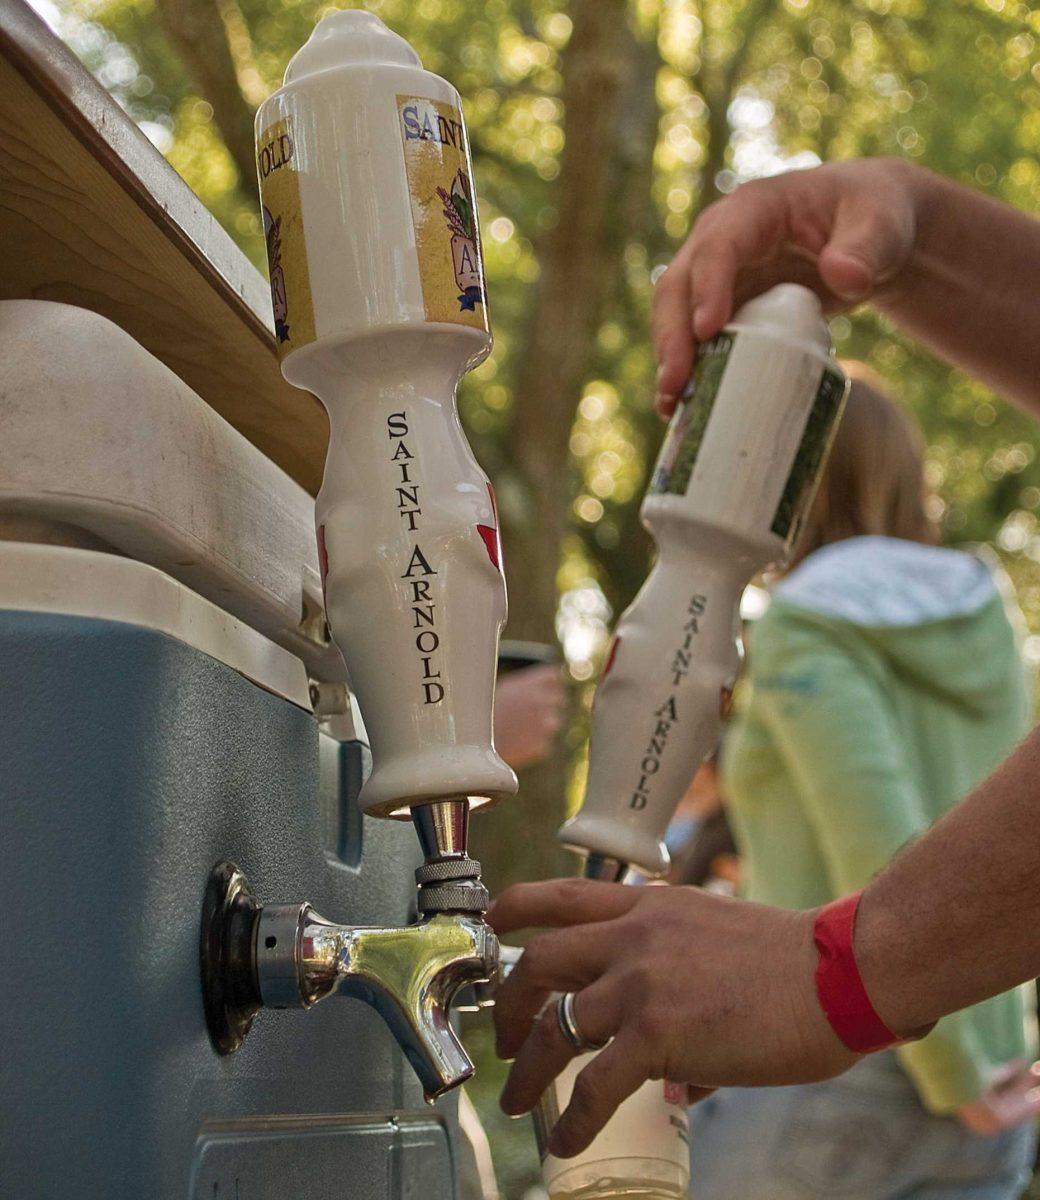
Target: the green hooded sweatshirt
pixel 885 682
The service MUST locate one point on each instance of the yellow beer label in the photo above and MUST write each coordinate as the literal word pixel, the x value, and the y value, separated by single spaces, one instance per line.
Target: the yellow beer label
pixel 444 211
pixel 283 230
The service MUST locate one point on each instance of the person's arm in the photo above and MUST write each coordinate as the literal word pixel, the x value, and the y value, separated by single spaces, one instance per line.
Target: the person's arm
pixel 839 738
pixel 953 920
pixel 953 268
pixel 529 709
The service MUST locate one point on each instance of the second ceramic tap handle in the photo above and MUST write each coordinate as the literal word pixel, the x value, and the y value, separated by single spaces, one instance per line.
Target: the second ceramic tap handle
pixel 733 482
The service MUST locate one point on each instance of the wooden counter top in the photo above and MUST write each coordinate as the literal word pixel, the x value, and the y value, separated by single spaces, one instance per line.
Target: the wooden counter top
pixel 91 214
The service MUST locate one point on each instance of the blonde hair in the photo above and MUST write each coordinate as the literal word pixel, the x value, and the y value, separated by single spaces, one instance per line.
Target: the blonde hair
pixel 874 479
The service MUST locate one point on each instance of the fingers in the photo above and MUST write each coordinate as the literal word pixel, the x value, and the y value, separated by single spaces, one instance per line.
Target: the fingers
pixel 565 961
pixel 551 693
pixel 608 1080
pixel 714 263
pixel 844 229
pixel 560 902
pixel 695 296
pixel 545 672
pixel 795 265
pixel 732 236
pixel 867 244
pixel 673 333
pixel 546 1051
pixel 543 678
pixel 529 710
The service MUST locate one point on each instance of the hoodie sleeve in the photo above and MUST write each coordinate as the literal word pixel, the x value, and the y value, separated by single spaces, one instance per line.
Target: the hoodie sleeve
pixel 821 696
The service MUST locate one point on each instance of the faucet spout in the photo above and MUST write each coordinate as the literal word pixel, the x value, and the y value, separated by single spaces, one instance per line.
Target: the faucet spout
pixel 255 956
pixel 408 975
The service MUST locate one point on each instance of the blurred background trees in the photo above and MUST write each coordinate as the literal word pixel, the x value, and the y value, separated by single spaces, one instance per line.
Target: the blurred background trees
pixel 599 129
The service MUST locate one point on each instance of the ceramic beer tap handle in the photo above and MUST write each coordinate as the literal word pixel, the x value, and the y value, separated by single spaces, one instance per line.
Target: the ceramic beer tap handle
pixel 732 485
pixel 380 307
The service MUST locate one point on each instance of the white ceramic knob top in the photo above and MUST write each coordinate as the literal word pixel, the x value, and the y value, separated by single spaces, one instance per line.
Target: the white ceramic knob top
pixel 347 38
pixel 789 311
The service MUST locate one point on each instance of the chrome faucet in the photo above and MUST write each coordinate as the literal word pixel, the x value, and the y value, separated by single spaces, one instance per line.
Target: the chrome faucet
pixel 288 956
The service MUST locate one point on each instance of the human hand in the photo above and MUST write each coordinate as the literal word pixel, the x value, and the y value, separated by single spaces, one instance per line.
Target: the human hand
pixel 845 229
pixel 690 987
pixel 1012 1099
pixel 529 706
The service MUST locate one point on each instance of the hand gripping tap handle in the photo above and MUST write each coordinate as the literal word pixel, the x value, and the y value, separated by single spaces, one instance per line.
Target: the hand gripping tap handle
pixel 733 483
pixel 380 307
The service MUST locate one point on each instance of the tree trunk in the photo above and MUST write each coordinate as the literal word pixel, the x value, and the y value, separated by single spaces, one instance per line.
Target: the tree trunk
pixel 579 259
pixel 576 275
pixel 622 566
pixel 720 81
pixel 197 29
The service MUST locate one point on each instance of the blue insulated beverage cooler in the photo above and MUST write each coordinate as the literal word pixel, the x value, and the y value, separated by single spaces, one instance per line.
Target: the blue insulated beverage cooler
pixel 162 652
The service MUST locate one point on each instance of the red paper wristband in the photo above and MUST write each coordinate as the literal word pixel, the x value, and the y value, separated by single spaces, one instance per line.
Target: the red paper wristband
pixel 839 984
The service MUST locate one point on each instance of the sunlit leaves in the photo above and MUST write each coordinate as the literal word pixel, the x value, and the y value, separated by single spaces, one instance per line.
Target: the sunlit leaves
pixel 955 86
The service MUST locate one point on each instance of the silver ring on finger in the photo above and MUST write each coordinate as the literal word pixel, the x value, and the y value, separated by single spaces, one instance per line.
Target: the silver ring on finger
pixel 569 1026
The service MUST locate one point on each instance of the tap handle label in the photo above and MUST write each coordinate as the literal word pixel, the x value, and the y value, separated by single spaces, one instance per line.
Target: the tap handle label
pixel 798 392
pixel 278 172
pixel 820 427
pixel 444 211
pixel 686 433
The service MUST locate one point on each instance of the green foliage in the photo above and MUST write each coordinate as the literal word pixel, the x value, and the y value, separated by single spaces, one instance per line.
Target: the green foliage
pixel 955 86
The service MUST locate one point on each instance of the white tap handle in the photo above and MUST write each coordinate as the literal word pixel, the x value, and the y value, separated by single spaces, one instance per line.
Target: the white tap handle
pixel 658 709
pixel 380 307
pixel 733 482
